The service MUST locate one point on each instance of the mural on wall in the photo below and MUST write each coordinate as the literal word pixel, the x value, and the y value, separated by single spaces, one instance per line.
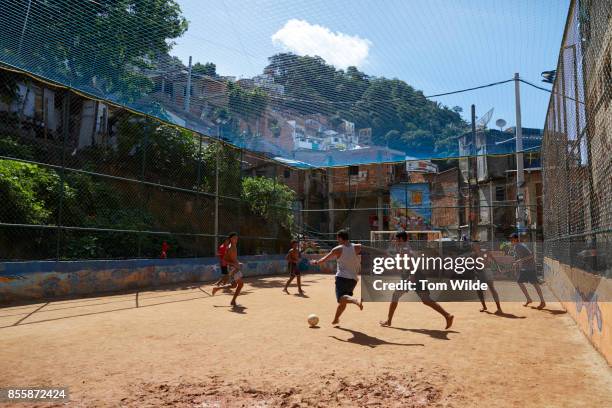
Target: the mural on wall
pixel 593 311
pixel 410 207
pixel 48 279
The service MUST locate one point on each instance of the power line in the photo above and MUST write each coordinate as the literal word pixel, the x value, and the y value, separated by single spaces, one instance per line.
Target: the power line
pixel 318 101
pixel 549 91
pixel 471 89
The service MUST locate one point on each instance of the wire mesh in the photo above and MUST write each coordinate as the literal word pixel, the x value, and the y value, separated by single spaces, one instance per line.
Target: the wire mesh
pixel 97 181
pixel 300 108
pixel 577 143
pixel 81 179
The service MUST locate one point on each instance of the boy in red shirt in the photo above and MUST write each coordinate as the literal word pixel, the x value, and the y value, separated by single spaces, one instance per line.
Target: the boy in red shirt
pixel 222 263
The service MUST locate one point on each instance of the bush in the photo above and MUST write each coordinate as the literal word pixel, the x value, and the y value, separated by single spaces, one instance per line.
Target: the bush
pixel 270 200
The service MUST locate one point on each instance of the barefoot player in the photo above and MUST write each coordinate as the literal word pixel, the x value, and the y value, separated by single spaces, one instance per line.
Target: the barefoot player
pixel 348 265
pixel 483 276
pixel 231 259
pixel 524 260
pixel 401 239
pixel 293 257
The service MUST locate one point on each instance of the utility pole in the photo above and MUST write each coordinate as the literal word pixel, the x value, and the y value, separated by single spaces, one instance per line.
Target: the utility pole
pixel 473 182
pixel 188 89
pixel 520 171
pixel 220 148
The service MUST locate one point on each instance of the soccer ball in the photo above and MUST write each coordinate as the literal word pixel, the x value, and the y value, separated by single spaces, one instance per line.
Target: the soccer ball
pixel 313 320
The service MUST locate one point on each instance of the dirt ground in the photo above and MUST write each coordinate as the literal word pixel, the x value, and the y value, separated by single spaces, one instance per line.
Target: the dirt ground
pixel 181 347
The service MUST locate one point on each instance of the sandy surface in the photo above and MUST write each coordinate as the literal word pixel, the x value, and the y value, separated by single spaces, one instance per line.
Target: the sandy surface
pixel 181 347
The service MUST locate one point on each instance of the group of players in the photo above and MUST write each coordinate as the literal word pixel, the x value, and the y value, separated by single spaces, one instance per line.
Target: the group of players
pixel 348 264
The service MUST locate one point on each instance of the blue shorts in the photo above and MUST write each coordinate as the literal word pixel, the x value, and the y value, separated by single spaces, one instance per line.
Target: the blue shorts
pixel 344 287
pixel 527 276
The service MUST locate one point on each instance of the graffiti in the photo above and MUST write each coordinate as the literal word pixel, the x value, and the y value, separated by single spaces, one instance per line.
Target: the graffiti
pixel 47 280
pixel 591 306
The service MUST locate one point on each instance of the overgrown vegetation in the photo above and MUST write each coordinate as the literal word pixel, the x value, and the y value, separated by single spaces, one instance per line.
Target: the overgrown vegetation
pixel 269 199
pixel 30 195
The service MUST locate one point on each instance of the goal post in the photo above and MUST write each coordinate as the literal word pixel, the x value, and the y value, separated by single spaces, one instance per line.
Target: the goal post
pixel 415 235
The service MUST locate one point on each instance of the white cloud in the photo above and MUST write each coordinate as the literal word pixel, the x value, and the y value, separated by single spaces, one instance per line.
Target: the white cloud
pixel 339 49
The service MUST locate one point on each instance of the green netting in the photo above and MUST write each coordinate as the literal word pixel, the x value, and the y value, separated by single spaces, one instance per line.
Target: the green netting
pixel 298 108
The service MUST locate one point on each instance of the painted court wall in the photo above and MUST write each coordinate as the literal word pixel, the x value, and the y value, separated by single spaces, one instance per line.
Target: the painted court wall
pixel 26 281
pixel 581 293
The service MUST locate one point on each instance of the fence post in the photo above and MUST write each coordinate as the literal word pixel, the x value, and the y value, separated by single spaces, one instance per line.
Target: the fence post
pixel 198 182
pixel 240 189
pixel 66 125
pixel 218 151
pixel 145 146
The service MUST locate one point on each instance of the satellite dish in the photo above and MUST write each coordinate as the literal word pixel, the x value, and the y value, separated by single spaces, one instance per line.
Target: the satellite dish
pixel 500 123
pixel 482 122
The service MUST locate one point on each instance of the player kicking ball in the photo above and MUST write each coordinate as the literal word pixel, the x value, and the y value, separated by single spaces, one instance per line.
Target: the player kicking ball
pixel 348 265
pixel 231 259
pixel 401 240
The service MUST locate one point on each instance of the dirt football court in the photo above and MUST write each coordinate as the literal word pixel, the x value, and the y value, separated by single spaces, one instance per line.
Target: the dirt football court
pixel 179 346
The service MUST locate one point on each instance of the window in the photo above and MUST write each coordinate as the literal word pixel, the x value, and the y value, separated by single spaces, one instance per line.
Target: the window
pixel 353 170
pixel 287 173
pixel 500 193
pixel 416 197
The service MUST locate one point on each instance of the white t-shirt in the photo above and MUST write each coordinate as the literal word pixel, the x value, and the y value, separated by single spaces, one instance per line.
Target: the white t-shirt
pixel 348 264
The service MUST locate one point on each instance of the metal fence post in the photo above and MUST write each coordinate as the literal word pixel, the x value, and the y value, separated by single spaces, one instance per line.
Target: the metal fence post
pixel 66 125
pixel 218 152
pixel 142 178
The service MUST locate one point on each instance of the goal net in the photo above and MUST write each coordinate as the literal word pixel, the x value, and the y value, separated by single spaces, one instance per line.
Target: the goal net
pixel 417 238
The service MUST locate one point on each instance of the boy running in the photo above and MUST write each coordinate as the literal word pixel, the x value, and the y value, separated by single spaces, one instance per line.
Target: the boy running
pixel 483 276
pixel 527 269
pixel 231 259
pixel 348 265
pixel 221 254
pixel 293 257
pixel 401 239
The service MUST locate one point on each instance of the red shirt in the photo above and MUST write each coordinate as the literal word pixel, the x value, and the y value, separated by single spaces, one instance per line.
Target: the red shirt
pixel 221 254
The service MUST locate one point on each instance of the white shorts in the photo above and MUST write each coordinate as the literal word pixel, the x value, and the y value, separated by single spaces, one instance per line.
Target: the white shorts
pixel 235 273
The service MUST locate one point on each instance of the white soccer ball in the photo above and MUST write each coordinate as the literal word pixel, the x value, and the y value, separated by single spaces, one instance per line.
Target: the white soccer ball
pixel 313 320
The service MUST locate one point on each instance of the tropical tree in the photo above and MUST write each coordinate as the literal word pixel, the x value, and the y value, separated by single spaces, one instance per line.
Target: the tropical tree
pixel 208 68
pixel 99 44
pixel 269 199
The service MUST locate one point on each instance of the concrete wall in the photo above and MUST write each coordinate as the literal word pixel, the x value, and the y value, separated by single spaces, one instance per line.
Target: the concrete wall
pixel 25 281
pixel 586 297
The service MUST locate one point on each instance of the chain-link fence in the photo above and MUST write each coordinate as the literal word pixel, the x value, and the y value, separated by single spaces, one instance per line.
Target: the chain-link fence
pixel 83 179
pixel 433 204
pixel 577 147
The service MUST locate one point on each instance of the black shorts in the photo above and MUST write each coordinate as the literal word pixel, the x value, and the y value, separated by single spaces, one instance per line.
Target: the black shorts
pixel 293 269
pixel 224 270
pixel 527 276
pixel 344 287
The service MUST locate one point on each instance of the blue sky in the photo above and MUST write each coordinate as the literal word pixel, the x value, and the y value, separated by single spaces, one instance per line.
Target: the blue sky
pixel 436 46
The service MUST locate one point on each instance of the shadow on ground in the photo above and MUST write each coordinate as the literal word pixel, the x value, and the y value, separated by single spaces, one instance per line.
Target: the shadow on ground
pixel 436 334
pixel 369 341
